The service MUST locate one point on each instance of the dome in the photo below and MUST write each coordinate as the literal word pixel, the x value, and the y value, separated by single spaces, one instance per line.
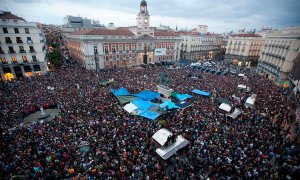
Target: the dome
pixel 143 3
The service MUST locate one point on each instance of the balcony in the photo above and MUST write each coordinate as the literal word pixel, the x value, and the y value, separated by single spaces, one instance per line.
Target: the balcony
pixel 106 52
pixel 32 51
pixel 22 51
pixel 29 41
pixel 8 42
pixel 2 52
pixel 11 51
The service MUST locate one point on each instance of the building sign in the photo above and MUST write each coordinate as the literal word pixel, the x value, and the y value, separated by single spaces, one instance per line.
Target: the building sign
pixel 160 51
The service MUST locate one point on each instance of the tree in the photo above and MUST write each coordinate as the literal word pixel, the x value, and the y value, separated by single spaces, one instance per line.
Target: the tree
pixel 55 57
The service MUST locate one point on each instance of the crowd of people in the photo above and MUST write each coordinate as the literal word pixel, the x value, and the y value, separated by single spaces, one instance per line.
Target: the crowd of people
pixel 257 144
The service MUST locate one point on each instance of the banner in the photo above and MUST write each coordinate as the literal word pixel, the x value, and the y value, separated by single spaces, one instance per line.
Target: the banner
pixel 160 52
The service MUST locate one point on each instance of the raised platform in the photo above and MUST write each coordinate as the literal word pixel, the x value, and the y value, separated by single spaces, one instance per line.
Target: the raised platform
pixel 48 115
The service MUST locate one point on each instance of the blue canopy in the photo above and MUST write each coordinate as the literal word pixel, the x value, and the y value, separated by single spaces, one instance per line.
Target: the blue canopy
pixel 183 104
pixel 203 93
pixel 182 97
pixel 149 114
pixel 142 105
pixel 120 92
pixel 147 95
pixel 168 104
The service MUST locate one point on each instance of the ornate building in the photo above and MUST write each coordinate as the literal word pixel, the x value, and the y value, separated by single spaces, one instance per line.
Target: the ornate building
pixel 125 46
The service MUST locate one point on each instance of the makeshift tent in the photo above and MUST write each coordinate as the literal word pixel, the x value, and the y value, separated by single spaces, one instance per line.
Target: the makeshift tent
pixel 200 92
pixel 241 86
pixel 149 114
pixel 147 95
pixel 120 92
pixel 142 105
pixel 130 107
pixel 182 97
pixel 161 136
pixel 225 107
pixel 241 75
pixel 167 105
pixel 125 99
pixel 183 104
pixel 166 152
pixel 236 98
pixel 250 101
pixel 235 113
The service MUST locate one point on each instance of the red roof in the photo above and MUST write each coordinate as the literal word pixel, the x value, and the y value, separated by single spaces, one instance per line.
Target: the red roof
pixel 164 33
pixel 122 32
pixel 246 35
pixel 8 15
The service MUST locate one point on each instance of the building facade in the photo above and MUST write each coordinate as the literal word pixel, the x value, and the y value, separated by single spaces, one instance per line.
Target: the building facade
pixel 75 23
pixel 244 49
pixel 123 47
pixel 22 48
pixel 280 53
pixel 196 46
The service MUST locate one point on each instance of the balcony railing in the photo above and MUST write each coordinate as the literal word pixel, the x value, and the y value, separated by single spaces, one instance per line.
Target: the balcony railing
pixel 12 52
pixel 8 42
pixel 2 52
pixel 22 51
pixel 32 51
pixel 29 41
pixel 20 42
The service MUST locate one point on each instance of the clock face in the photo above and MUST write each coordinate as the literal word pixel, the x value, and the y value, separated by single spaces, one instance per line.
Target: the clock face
pixel 146 20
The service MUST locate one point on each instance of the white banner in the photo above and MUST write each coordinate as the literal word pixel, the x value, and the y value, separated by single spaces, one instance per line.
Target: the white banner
pixel 160 51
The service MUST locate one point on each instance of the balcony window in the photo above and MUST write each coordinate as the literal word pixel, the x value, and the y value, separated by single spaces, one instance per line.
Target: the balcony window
pixel 31 49
pixel 14 59
pixel 24 58
pixel 34 59
pixel 26 30
pixel 5 30
pixel 120 48
pixel 3 60
pixel 19 40
pixel 106 50
pixel 1 51
pixel 8 40
pixel 29 40
pixel 113 48
pixel 16 30
pixel 11 50
pixel 22 50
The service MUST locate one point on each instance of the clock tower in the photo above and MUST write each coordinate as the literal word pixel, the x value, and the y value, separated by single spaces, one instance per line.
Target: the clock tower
pixel 143 18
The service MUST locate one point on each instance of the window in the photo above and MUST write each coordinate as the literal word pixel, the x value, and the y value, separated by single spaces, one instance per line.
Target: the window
pixel 8 40
pixel 120 47
pixel 29 40
pixel 95 49
pixel 113 48
pixel 24 58
pixel 106 49
pixel 132 47
pixel 34 59
pixel 1 51
pixel 31 49
pixel 106 58
pixel 26 30
pixel 16 30
pixel 3 60
pixel 5 30
pixel 127 47
pixel 19 40
pixel 14 59
pixel 11 50
pixel 22 50
pixel 140 46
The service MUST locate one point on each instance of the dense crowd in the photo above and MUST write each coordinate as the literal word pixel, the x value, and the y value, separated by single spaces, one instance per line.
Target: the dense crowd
pixel 257 144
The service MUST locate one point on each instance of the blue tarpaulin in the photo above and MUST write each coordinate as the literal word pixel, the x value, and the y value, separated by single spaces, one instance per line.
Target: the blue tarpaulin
pixel 168 105
pixel 203 93
pixel 183 104
pixel 147 95
pixel 120 92
pixel 149 114
pixel 182 97
pixel 142 105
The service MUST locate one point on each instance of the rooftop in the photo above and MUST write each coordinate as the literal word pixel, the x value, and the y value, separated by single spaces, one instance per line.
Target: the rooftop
pixel 8 15
pixel 122 32
pixel 245 35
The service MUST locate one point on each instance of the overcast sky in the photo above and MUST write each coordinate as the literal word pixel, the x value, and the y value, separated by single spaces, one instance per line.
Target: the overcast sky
pixel 219 15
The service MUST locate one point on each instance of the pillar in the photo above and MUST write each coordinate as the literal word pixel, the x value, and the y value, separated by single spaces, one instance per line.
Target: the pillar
pixel 13 71
pixel 23 72
pixel 2 74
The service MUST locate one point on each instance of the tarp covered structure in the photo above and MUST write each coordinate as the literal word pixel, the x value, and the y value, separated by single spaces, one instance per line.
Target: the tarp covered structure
pixel 167 105
pixel 202 93
pixel 225 107
pixel 235 113
pixel 241 86
pixel 130 107
pixel 149 114
pixel 142 104
pixel 147 95
pixel 125 99
pixel 120 92
pixel 161 136
pixel 166 152
pixel 183 104
pixel 250 101
pixel 182 97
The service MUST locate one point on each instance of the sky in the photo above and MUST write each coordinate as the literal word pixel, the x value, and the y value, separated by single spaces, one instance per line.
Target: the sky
pixel 220 15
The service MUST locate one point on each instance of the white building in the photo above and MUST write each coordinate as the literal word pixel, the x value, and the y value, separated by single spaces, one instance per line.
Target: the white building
pixel 280 52
pixel 244 49
pixel 196 46
pixel 22 48
pixel 75 23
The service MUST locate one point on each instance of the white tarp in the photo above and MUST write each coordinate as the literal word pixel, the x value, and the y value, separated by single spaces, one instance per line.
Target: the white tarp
pixel 241 86
pixel 235 113
pixel 250 100
pixel 130 107
pixel 236 98
pixel 166 152
pixel 241 75
pixel 225 107
pixel 161 136
pixel 160 51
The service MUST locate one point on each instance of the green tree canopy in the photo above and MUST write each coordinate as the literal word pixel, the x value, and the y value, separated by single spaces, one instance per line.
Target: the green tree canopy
pixel 55 57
